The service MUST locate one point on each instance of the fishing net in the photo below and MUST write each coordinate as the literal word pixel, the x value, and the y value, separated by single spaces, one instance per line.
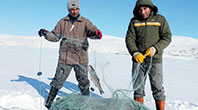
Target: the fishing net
pixel 118 101
pixel 79 102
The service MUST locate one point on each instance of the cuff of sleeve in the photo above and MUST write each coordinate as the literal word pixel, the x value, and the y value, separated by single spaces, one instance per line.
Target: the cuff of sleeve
pixel 156 49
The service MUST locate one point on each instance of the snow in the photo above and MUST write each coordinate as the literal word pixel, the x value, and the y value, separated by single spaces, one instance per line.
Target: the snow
pixel 183 47
pixel 20 85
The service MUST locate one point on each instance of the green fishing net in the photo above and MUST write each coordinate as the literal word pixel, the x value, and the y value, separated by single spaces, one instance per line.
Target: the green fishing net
pixel 119 100
pixel 79 102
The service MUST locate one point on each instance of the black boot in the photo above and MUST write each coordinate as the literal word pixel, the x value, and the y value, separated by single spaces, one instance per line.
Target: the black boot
pixel 85 92
pixel 52 94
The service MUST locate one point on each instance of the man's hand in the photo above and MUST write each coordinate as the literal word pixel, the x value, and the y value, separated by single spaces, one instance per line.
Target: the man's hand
pixel 151 51
pixel 98 34
pixel 42 32
pixel 139 57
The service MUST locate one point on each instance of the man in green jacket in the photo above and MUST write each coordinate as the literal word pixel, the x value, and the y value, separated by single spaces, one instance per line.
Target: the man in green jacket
pixel 147 36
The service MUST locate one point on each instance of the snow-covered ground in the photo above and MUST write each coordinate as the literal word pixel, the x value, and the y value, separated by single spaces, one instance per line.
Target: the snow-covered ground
pixel 22 89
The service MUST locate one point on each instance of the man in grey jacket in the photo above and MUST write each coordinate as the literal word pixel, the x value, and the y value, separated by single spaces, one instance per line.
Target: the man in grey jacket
pixel 73 31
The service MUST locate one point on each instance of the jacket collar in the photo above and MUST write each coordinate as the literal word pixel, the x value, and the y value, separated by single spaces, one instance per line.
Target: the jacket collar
pixel 78 19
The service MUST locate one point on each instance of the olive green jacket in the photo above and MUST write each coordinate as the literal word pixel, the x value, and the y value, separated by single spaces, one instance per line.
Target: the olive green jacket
pixel 145 33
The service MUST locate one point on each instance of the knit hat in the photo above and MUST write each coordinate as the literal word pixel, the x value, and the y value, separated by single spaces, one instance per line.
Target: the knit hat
pixel 73 4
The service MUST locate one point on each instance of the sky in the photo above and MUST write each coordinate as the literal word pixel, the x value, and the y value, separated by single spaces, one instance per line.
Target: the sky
pixel 26 17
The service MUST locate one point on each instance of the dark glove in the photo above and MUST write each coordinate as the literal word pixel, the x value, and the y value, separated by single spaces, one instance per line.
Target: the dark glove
pixel 42 32
pixel 98 34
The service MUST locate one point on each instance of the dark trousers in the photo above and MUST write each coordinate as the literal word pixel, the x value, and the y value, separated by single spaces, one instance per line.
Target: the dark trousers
pixel 81 73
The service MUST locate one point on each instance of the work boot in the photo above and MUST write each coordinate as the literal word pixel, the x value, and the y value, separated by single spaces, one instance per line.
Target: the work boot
pixel 85 92
pixel 52 94
pixel 160 104
pixel 139 99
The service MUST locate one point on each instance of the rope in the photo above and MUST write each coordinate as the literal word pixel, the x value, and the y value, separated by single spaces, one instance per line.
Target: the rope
pixel 124 92
pixel 40 73
pixel 136 74
pixel 133 79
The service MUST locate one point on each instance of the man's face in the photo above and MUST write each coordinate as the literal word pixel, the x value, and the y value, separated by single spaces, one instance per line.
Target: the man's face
pixel 74 12
pixel 144 11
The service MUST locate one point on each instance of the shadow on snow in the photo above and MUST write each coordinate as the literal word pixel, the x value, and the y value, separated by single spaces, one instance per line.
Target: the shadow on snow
pixel 42 88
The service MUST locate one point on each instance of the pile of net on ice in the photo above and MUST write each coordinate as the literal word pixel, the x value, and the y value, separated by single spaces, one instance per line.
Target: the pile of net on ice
pixel 119 100
pixel 79 102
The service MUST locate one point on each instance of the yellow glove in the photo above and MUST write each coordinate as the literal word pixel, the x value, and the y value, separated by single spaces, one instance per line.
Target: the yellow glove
pixel 139 57
pixel 150 52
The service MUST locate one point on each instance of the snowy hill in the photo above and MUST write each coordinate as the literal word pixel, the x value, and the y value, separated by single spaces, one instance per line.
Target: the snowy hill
pixel 20 85
pixel 180 46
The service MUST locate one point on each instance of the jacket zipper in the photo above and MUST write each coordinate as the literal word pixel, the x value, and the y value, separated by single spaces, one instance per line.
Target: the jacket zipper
pixel 145 37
